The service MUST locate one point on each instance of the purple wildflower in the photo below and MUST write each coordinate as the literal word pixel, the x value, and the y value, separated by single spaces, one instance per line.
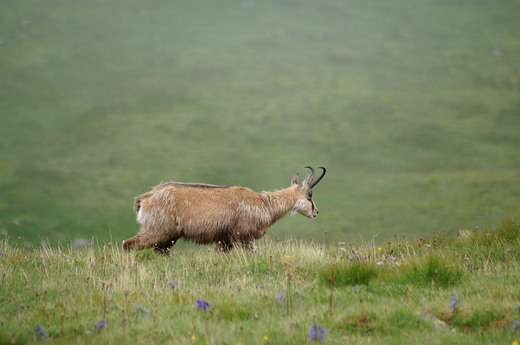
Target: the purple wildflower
pixel 201 304
pixel 100 324
pixel 40 333
pixel 280 296
pixel 314 332
pixel 173 285
pixel 453 304
pixel 138 308
pixel 314 329
pixel 322 333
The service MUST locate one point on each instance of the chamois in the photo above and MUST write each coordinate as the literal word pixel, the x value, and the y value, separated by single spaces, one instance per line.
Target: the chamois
pixel 225 215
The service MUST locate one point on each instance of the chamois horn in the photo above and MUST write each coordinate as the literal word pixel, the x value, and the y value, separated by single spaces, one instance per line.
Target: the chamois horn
pixel 313 183
pixel 310 177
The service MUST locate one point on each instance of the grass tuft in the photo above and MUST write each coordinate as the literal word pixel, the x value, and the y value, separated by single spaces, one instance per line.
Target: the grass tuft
pixel 348 273
pixel 432 269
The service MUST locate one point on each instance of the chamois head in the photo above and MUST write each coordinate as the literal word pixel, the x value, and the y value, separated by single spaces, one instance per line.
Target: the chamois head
pixel 305 205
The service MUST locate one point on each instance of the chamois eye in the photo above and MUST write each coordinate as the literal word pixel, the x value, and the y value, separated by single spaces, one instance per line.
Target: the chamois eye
pixel 309 195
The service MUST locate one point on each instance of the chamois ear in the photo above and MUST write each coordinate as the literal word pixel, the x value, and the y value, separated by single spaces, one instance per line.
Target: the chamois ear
pixel 303 184
pixel 307 180
pixel 294 179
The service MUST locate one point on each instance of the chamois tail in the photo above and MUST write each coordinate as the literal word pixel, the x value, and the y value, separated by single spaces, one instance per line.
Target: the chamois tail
pixel 139 199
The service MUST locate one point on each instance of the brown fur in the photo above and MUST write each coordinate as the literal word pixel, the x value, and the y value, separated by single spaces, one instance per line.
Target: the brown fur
pixel 225 215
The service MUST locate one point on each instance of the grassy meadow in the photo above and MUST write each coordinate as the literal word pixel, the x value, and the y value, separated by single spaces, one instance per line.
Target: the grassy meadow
pixel 413 106
pixel 439 289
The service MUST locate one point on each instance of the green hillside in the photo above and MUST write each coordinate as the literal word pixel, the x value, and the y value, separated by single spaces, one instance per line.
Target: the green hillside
pixel 413 107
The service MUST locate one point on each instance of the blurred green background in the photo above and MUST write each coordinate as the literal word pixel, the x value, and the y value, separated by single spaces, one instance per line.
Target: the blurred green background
pixel 413 107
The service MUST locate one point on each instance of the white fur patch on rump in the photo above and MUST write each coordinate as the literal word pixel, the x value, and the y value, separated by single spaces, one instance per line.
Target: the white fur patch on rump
pixel 140 219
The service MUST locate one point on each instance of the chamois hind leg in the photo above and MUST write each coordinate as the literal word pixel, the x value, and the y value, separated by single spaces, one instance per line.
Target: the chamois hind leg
pixel 150 238
pixel 131 243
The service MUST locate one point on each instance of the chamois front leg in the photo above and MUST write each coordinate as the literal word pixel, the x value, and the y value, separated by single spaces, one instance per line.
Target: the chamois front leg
pixel 247 246
pixel 224 246
pixel 244 240
pixel 164 247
